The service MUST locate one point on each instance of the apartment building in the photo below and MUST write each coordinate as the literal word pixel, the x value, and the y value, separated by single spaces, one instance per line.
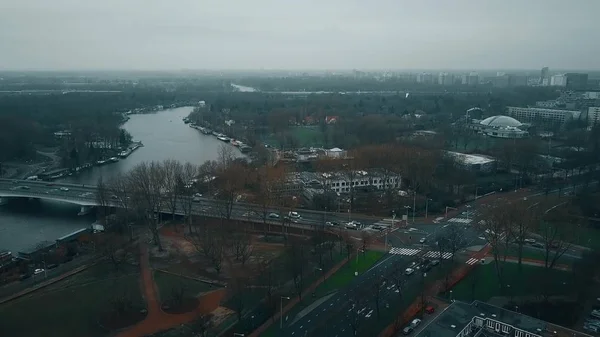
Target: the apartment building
pixel 342 182
pixel 480 319
pixel 593 116
pixel 543 116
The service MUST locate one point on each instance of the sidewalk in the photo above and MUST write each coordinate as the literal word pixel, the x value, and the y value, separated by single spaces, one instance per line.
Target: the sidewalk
pixel 295 300
pixel 45 283
pixel 537 263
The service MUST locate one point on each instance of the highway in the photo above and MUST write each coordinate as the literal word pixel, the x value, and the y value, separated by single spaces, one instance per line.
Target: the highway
pixel 86 196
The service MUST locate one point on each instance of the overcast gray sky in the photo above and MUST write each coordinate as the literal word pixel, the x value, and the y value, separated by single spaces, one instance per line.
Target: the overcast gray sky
pixel 299 34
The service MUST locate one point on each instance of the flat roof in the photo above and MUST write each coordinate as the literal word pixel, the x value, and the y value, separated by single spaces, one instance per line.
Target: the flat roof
pixel 471 159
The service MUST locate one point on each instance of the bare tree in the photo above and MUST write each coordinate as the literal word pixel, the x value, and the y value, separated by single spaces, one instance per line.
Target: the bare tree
pixel 269 179
pixel 240 244
pixel 172 173
pixel 122 189
pixel 296 262
pixel 115 253
pixel 189 173
pixel 377 285
pixel 147 180
pixel 494 224
pixel 355 317
pixel 202 327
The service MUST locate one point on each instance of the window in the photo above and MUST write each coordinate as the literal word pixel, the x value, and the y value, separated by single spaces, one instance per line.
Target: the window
pixel 497 326
pixel 478 321
pixel 505 328
pixel 490 324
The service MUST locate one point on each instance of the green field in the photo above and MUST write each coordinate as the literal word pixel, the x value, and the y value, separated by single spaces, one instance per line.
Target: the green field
pixel 166 282
pixel 306 136
pixel 486 283
pixel 337 281
pixel 72 307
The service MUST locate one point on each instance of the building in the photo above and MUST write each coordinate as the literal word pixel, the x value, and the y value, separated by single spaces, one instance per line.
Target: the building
pixel 335 153
pixel 576 80
pixel 545 76
pixel 593 116
pixel 445 79
pixel 518 80
pixel 473 162
pixel 502 127
pixel 500 81
pixel 542 116
pixel 341 182
pixel 480 319
pixel 425 78
pixel 558 80
pixel 591 95
pixel 547 104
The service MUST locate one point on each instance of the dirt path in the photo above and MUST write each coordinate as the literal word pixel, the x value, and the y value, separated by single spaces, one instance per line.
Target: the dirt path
pixel 157 320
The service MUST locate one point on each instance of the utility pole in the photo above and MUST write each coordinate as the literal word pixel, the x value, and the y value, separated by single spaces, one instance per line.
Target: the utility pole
pixel 414 205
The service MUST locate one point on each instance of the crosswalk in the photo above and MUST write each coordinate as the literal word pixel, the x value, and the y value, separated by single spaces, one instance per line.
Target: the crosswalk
pixel 464 221
pixel 404 251
pixel 472 261
pixel 414 251
pixel 436 255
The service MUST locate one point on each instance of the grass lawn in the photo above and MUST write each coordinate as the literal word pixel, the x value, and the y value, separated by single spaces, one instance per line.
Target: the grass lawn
pixel 167 282
pixel 487 285
pixel 308 135
pixel 73 306
pixel 340 279
pixel 529 253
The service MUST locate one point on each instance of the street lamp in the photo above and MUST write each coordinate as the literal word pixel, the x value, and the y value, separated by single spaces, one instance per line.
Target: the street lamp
pixel 476 190
pixel 426 207
pixel 281 310
pixel 414 205
pixel 356 264
pixel 448 207
pixel 407 208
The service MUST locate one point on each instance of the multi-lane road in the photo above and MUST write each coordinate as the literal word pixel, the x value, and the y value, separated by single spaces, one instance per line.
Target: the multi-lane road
pixel 85 195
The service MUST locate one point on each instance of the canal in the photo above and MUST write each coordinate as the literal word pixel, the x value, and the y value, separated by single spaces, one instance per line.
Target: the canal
pixel 24 223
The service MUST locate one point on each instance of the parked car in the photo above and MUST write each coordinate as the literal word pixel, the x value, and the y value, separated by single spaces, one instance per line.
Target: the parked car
pixel 423 240
pixel 38 271
pixel 407 330
pixel 430 310
pixel 409 271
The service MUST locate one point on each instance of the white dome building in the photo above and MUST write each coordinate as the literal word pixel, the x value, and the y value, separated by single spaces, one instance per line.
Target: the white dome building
pixel 502 127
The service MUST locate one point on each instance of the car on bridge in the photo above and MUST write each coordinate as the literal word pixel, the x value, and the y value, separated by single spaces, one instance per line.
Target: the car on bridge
pixel 64 189
pixel 273 215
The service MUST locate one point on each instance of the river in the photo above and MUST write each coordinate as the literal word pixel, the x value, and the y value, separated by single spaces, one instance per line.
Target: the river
pixel 25 223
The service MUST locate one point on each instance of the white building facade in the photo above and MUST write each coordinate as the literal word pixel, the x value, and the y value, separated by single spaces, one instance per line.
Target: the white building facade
pixel 341 182
pixel 593 116
pixel 542 115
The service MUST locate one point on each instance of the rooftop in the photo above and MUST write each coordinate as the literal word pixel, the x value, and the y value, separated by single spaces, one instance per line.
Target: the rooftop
pixel 501 121
pixel 458 315
pixel 471 159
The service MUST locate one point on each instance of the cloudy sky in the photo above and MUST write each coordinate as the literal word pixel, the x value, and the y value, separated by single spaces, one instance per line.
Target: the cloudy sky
pixel 299 34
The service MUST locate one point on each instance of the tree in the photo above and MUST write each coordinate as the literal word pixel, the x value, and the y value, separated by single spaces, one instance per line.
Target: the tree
pixel 189 174
pixel 377 285
pixel 173 183
pixel 202 327
pixel 240 245
pixel 121 187
pixel 269 181
pixel 147 181
pixel 296 262
pixel 494 224
pixel 115 253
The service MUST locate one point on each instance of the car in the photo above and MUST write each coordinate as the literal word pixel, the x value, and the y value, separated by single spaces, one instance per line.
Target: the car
pixel 423 240
pixel 415 323
pixel 529 240
pixel 114 197
pixel 351 225
pixel 24 187
pixel 377 227
pixel 294 215
pixel 64 189
pixel 407 330
pixel 435 262
pixel 199 195
pixel 537 245
pixel 196 197
pixel 328 223
pixel 273 215
pixel 429 309
pixel 409 271
pixel 38 271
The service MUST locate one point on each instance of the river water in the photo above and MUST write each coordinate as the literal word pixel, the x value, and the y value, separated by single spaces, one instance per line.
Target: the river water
pixel 24 223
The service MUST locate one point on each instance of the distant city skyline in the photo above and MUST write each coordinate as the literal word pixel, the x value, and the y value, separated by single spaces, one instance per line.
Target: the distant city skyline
pixel 459 35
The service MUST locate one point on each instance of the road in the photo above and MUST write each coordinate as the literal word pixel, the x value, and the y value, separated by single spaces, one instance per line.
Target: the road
pixel 86 195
